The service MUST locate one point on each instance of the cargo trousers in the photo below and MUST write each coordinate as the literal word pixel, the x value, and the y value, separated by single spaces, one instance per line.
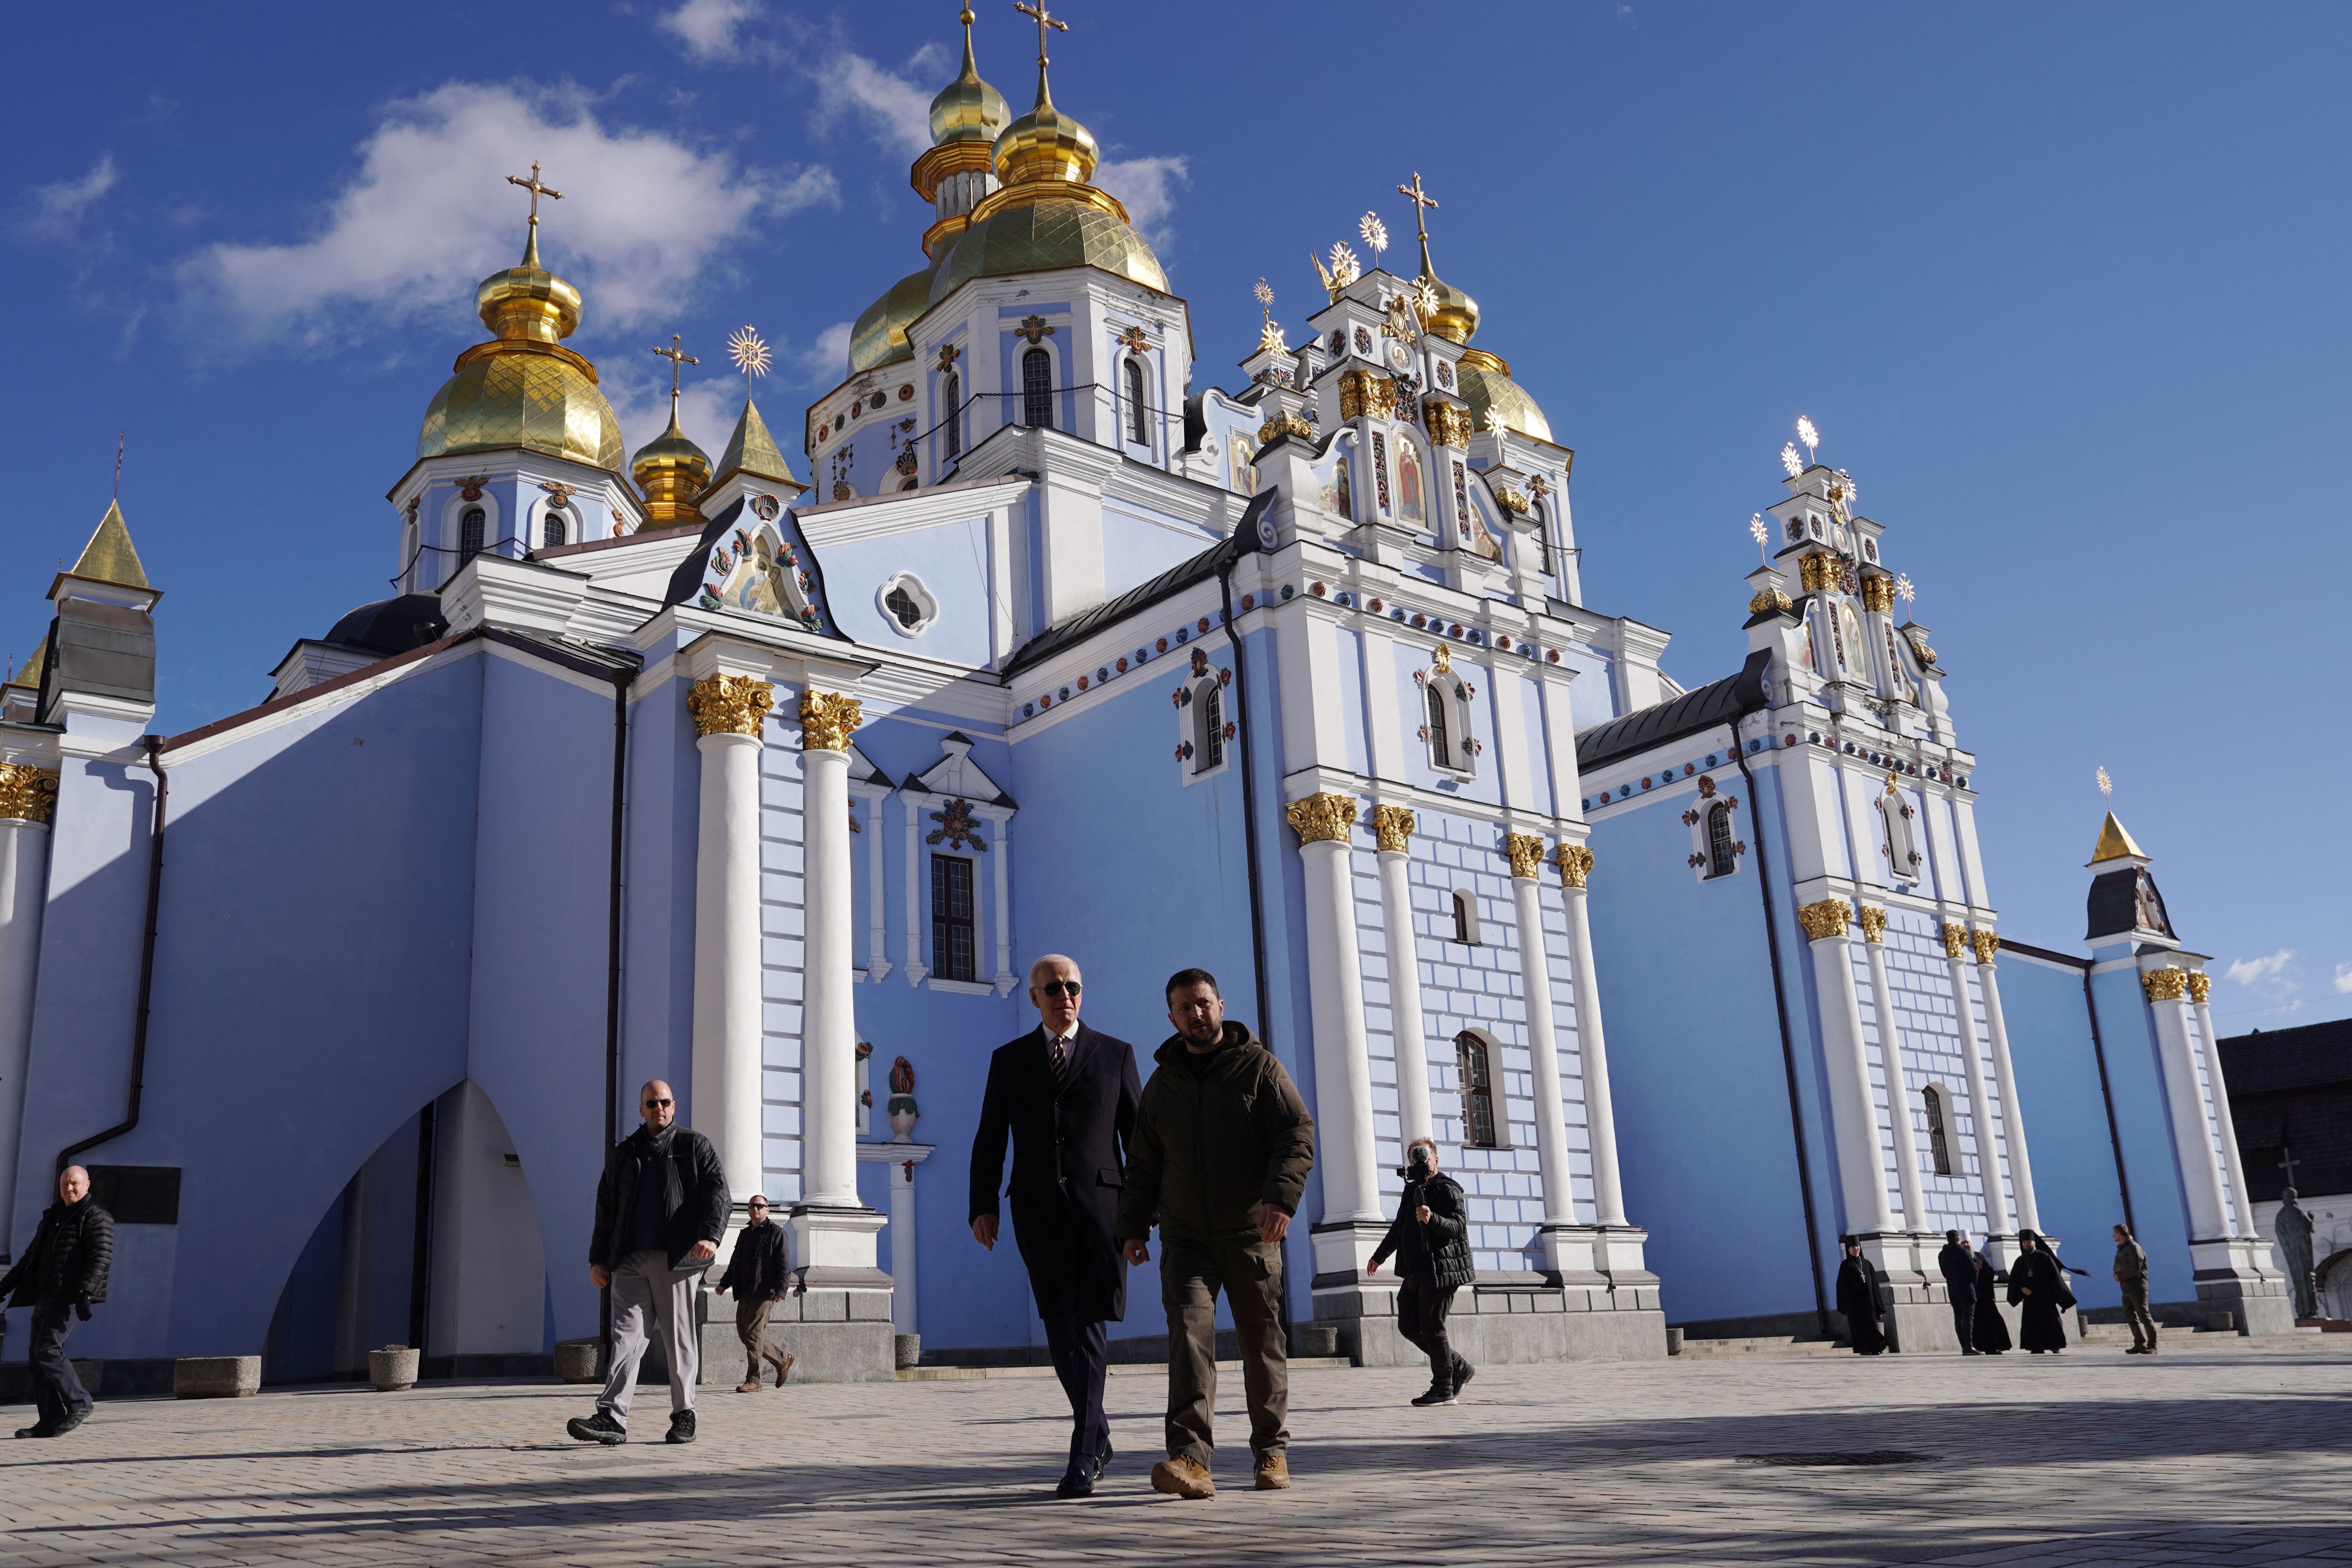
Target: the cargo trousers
pixel 1192 1270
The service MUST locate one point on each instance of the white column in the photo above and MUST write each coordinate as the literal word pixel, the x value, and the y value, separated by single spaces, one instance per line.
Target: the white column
pixel 2193 1134
pixel 1996 1200
pixel 828 1025
pixel 27 795
pixel 1527 852
pixel 1592 1051
pixel 1854 1114
pixel 1393 825
pixel 2012 1115
pixel 1349 1226
pixel 730 712
pixel 902 1246
pixel 1898 1084
pixel 2201 986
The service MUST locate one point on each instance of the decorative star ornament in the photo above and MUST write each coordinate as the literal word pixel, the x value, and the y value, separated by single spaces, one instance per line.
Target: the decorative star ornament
pixel 1345 268
pixel 750 354
pixel 1905 589
pixel 2107 784
pixel 1759 533
pixel 1791 461
pixel 1375 232
pixel 1806 433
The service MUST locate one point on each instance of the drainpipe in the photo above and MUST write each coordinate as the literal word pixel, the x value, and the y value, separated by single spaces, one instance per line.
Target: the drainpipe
pixel 155 745
pixel 621 683
pixel 2107 1098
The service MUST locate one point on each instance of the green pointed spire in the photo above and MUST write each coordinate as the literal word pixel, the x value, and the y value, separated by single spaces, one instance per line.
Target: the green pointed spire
pixel 752 450
pixel 108 557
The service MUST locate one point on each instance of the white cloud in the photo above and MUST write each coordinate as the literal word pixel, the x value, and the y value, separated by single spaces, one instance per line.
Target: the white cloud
pixel 2344 980
pixel 58 209
pixel 2265 972
pixel 826 361
pixel 1145 187
pixel 706 411
pixel 707 27
pixel 429 213
pixel 894 110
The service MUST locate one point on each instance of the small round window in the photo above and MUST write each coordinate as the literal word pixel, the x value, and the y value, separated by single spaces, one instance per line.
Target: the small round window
pixel 908 605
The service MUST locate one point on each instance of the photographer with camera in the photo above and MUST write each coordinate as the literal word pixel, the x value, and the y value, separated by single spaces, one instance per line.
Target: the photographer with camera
pixel 1431 1240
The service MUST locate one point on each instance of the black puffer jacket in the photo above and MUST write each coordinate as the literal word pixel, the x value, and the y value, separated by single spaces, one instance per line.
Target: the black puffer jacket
pixel 70 1257
pixel 695 1201
pixel 1440 1248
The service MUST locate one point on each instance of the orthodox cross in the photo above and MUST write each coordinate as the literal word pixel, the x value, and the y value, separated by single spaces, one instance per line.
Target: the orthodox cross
pixel 1034 328
pixel 2289 1164
pixel 1421 202
pixel 118 437
pixel 536 190
pixel 948 355
pixel 1134 338
pixel 1045 19
pixel 677 357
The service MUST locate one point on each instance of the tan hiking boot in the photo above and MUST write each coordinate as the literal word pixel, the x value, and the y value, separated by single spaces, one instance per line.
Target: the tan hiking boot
pixel 783 1370
pixel 1184 1478
pixel 752 1387
pixel 1273 1473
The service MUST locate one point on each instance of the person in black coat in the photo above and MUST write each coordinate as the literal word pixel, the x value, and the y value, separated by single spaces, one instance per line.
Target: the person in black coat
pixel 1857 1298
pixel 2038 1285
pixel 1957 1264
pixel 757 1277
pixel 1993 1330
pixel 1431 1240
pixel 1064 1096
pixel 61 1276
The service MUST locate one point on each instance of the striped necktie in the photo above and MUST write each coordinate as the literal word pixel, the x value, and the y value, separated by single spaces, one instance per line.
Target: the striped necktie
pixel 1061 1060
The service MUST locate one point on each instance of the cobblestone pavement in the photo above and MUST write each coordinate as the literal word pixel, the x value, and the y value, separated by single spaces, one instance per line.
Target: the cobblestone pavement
pixel 2222 1457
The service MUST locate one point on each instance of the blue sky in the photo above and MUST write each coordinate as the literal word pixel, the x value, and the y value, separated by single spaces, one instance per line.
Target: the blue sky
pixel 2063 287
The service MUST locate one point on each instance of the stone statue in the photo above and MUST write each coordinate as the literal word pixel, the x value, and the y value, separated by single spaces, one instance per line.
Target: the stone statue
pixel 2293 1230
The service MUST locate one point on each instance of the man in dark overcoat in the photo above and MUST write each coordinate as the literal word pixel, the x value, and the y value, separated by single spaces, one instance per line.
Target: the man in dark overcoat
pixel 1065 1095
pixel 61 1276
pixel 1957 1264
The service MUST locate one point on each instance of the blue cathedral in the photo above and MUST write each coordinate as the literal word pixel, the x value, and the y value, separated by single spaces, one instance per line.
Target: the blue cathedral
pixel 672 766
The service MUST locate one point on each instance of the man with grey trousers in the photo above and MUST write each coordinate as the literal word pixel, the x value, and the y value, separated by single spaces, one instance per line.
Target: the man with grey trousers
pixel 661 1208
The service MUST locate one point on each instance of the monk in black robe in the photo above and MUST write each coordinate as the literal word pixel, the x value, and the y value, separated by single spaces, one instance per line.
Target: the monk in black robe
pixel 2037 1285
pixel 1993 1331
pixel 1857 1298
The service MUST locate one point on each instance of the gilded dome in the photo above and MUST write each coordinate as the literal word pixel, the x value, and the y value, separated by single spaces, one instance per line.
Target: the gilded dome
pixel 1456 317
pixel 968 109
pixel 1495 398
pixel 880 335
pixel 1039 237
pixel 523 388
pixel 1046 144
pixel 672 471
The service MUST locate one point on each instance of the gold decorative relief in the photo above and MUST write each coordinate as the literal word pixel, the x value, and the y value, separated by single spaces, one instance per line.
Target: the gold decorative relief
pixel 1956 940
pixel 1575 865
pixel 1827 919
pixel 2201 986
pixel 1878 593
pixel 1393 825
pixel 1986 943
pixel 1874 923
pixel 1819 573
pixel 1447 424
pixel 1526 854
pixel 1769 599
pixel 1441 660
pixel 1285 425
pixel 730 704
pixel 827 717
pixel 1513 501
pixel 27 793
pixel 1322 818
pixel 1361 393
pixel 2165 985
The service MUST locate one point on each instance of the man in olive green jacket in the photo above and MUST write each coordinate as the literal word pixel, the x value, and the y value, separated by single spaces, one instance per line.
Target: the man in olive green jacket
pixel 1219 1157
pixel 2131 1273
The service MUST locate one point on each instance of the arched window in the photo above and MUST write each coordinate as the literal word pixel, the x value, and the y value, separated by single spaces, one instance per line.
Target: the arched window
pixel 1940 1143
pixel 1440 744
pixel 556 528
pixel 1137 430
pixel 1209 722
pixel 1036 388
pixel 1465 918
pixel 1902 852
pixel 470 532
pixel 1722 850
pixel 954 398
pixel 1409 505
pixel 1478 1125
pixel 1542 513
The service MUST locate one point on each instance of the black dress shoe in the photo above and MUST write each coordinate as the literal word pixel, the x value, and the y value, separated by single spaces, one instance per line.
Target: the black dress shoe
pixel 39 1429
pixel 1103 1460
pixel 1078 1480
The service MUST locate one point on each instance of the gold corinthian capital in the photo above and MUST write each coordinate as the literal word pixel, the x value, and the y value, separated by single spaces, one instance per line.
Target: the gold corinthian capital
pixel 1393 825
pixel 1874 923
pixel 730 704
pixel 1575 865
pixel 1956 940
pixel 27 793
pixel 1526 852
pixel 2165 985
pixel 1986 943
pixel 1322 818
pixel 827 719
pixel 2201 986
pixel 1827 919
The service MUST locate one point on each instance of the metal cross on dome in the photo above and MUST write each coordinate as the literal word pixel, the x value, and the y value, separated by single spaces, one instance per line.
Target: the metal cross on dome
pixel 1422 204
pixel 537 190
pixel 677 357
pixel 1045 19
pixel 2288 1162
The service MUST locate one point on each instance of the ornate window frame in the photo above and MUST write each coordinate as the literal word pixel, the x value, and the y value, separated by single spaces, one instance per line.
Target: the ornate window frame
pixel 1442 689
pixel 1476 1045
pixel 1941 1145
pixel 1205 690
pixel 917 590
pixel 1700 818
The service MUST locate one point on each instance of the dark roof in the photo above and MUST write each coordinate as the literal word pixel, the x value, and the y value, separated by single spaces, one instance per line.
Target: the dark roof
pixel 2269 1061
pixel 392 626
pixel 1174 580
pixel 1718 702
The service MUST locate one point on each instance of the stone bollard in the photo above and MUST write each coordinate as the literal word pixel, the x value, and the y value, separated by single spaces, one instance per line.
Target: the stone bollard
pixel 394 1368
pixel 1674 1342
pixel 909 1351
pixel 215 1376
pixel 1313 1340
pixel 579 1360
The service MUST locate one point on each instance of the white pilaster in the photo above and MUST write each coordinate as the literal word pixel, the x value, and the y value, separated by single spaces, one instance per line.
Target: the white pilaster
pixel 1526 854
pixel 2193 1134
pixel 24 883
pixel 878 954
pixel 1853 1115
pixel 1350 1224
pixel 2012 1116
pixel 1600 1113
pixel 829 1030
pixel 1409 1029
pixel 1964 1013
pixel 913 969
pixel 1898 1085
pixel 2199 985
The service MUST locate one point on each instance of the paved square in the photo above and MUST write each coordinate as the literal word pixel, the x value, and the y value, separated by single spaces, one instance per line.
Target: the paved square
pixel 2210 1455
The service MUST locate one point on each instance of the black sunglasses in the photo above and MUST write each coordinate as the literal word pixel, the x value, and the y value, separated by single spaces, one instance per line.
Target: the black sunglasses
pixel 661 1102
pixel 1060 988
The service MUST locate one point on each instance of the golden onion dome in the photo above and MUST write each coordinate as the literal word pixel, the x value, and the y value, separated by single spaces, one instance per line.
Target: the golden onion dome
pixel 1040 237
pixel 968 109
pixel 672 471
pixel 1046 144
pixel 1495 399
pixel 880 335
pixel 523 388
